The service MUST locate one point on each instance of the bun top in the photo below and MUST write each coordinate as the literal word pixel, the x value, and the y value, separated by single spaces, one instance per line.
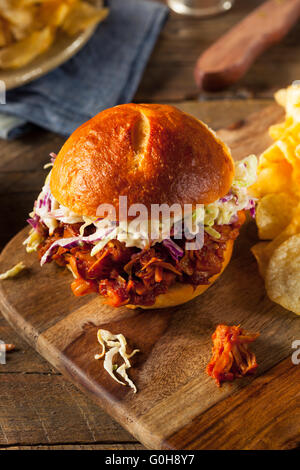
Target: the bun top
pixel 151 153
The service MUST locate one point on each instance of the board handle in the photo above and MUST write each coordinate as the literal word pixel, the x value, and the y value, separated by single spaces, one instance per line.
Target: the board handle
pixel 228 59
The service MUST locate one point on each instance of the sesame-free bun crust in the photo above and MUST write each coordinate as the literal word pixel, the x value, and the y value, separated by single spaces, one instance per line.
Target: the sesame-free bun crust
pixel 151 153
pixel 181 293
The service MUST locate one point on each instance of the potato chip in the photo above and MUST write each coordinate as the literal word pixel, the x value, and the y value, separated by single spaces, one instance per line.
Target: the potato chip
pixel 272 155
pixel 287 147
pixel 294 131
pixel 285 129
pixel 274 178
pixel 277 131
pixel 274 212
pixel 278 212
pixel 281 97
pixel 292 229
pixel 283 275
pixel 83 16
pixel 23 52
pixel 263 251
pixel 261 256
pixel 292 105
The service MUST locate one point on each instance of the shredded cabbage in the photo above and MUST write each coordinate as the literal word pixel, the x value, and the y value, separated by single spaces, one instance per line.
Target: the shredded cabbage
pixel 33 241
pixel 117 345
pixel 224 210
pixel 221 212
pixel 13 272
pixel 245 172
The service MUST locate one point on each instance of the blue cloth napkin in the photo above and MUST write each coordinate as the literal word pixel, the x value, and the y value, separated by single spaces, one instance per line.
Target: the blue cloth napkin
pixel 106 72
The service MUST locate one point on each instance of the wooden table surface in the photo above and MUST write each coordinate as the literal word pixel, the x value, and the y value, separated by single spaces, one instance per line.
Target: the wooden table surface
pixel 38 407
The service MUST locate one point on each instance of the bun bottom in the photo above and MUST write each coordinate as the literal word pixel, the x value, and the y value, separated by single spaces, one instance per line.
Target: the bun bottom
pixel 181 293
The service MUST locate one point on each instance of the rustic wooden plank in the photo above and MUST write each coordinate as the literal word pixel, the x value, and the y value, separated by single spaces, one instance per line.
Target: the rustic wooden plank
pixel 29 153
pixel 265 415
pixel 170 71
pixel 14 212
pixel 25 182
pixel 256 125
pixel 24 359
pixel 109 447
pixel 46 409
pixel 220 114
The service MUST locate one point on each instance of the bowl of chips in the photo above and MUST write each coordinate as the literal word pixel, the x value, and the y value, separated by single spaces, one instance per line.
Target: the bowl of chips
pixel 278 209
pixel 38 35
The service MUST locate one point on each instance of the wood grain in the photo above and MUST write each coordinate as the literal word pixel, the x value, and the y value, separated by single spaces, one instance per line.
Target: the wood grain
pixel 30 419
pixel 175 344
pixel 24 359
pixel 253 409
pixel 50 410
pixel 109 447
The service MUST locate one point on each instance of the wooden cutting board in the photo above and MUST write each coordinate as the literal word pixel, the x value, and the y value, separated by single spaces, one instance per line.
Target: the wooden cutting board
pixel 177 405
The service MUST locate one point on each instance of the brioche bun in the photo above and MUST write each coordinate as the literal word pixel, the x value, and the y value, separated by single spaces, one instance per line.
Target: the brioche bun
pixel 181 293
pixel 151 153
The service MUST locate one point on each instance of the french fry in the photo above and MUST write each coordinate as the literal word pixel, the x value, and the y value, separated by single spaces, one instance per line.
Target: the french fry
pixel 83 16
pixel 5 33
pixel 53 13
pixel 21 53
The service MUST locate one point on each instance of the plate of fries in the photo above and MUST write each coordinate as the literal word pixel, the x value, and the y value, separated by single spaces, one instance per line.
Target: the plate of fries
pixel 278 209
pixel 37 36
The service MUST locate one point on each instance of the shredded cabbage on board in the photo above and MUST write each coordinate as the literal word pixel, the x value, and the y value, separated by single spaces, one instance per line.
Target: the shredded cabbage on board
pixel 13 272
pixel 111 346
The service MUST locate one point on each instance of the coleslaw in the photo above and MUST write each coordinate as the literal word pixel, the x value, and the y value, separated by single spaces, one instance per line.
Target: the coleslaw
pixel 49 212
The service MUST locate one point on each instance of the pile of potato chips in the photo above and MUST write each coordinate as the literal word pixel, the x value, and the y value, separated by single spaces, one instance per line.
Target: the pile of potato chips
pixel 278 209
pixel 29 27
